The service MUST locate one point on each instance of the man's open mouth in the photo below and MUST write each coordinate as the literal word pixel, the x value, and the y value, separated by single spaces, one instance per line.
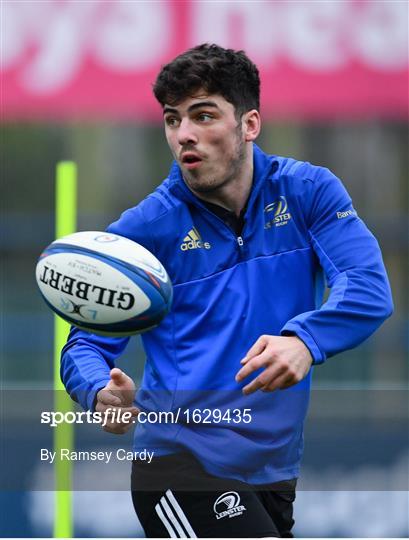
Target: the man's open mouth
pixel 190 160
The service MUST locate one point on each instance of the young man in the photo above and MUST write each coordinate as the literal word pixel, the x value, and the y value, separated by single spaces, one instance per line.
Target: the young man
pixel 246 239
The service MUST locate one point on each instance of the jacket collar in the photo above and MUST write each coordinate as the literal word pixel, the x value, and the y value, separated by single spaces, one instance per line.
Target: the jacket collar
pixel 264 166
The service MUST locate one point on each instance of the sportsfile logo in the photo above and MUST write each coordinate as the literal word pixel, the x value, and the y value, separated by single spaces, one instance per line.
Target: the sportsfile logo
pixel 228 505
pixel 193 240
pixel 279 210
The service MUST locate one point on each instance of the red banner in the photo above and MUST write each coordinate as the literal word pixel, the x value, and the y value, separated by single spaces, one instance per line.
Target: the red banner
pixel 98 58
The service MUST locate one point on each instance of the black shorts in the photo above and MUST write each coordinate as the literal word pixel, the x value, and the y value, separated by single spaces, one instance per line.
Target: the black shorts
pixel 174 497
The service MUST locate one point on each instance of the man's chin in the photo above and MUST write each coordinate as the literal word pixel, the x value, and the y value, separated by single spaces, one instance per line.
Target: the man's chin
pixel 200 185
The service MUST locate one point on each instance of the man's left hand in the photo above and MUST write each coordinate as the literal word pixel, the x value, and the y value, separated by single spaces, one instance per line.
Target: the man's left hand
pixel 286 361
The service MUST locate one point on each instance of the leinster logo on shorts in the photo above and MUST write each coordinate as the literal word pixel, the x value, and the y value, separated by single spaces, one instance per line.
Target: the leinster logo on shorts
pixel 229 505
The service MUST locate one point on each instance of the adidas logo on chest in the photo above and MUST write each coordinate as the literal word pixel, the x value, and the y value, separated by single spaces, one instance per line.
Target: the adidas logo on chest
pixel 193 240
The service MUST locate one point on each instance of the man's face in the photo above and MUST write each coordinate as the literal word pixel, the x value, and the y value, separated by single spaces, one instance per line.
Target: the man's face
pixel 206 140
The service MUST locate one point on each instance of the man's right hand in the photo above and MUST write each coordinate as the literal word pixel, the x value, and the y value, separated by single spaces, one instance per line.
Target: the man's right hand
pixel 118 395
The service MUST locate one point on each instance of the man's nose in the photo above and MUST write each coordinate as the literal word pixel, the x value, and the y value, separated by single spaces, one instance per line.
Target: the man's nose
pixel 186 132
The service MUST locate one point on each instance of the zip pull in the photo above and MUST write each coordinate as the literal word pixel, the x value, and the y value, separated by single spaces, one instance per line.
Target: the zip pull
pixel 240 241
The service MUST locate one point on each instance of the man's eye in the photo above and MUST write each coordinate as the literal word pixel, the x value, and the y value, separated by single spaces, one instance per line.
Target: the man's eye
pixel 171 121
pixel 205 117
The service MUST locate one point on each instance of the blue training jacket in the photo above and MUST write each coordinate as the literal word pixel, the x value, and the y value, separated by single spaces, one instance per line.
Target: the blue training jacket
pixel 300 229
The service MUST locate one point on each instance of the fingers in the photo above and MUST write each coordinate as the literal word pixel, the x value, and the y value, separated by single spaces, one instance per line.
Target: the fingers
pixel 256 349
pixel 286 361
pixel 121 386
pixel 107 401
pixel 283 382
pixel 115 403
pixel 117 412
pixel 251 365
pixel 279 383
pixel 118 376
pixel 278 378
pixel 105 398
pixel 268 377
pixel 120 380
pixel 252 387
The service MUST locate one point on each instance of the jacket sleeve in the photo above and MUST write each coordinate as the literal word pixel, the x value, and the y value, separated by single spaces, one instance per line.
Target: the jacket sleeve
pixel 86 361
pixel 87 358
pixel 360 297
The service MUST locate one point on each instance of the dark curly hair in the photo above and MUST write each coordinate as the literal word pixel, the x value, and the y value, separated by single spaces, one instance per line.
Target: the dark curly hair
pixel 215 69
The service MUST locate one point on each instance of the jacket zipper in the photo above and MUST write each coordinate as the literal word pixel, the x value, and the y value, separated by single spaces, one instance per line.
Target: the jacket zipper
pixel 239 239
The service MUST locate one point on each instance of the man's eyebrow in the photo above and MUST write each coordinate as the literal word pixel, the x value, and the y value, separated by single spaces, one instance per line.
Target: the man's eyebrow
pixel 169 110
pixel 193 107
pixel 202 104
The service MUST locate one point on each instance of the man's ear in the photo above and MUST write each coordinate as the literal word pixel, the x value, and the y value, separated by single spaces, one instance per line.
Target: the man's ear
pixel 251 125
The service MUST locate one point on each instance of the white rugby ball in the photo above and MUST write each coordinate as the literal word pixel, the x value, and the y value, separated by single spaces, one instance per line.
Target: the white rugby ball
pixel 104 283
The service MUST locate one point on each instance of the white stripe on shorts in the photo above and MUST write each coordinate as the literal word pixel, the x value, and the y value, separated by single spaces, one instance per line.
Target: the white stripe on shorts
pixel 165 521
pixel 181 515
pixel 171 516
